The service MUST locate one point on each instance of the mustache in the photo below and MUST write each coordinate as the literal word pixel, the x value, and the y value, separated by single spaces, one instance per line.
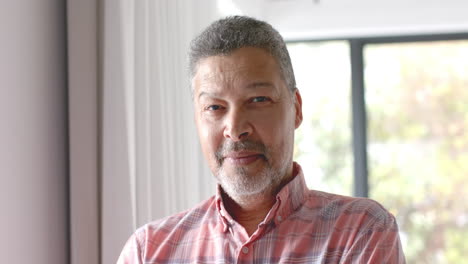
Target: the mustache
pixel 246 145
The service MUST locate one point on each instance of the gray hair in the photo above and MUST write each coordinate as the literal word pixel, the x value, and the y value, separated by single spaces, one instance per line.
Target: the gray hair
pixel 231 33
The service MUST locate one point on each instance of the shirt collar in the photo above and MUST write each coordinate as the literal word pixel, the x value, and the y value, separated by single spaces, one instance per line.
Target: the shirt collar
pixel 224 216
pixel 288 200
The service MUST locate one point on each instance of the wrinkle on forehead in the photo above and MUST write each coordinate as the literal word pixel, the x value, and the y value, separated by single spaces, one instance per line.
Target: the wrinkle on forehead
pixel 213 78
pixel 225 65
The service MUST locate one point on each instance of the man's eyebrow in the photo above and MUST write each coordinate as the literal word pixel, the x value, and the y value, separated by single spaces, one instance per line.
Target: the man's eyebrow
pixel 253 85
pixel 203 93
pixel 260 85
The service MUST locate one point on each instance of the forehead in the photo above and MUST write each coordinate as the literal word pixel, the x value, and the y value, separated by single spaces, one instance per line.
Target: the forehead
pixel 240 68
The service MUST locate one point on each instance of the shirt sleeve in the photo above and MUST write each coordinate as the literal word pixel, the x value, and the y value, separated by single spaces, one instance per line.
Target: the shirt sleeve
pixel 377 242
pixel 131 253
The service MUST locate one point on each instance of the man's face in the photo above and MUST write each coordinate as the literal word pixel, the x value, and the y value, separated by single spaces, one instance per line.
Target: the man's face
pixel 246 117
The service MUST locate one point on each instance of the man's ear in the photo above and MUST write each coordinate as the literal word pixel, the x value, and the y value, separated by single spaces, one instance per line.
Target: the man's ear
pixel 298 107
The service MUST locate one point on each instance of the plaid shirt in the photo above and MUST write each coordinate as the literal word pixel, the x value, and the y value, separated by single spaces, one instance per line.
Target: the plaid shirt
pixel 303 226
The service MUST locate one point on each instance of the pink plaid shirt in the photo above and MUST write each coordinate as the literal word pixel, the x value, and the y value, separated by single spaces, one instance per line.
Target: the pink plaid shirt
pixel 303 226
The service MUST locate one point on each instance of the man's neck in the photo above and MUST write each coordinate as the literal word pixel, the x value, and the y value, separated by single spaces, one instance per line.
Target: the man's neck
pixel 249 211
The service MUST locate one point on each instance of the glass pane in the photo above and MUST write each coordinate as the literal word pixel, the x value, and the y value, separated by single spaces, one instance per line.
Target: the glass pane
pixel 417 102
pixel 323 142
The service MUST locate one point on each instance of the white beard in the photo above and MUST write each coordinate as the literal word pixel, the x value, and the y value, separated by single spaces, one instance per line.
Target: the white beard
pixel 240 185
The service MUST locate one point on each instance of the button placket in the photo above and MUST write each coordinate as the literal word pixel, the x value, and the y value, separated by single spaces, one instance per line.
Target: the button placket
pixel 245 250
pixel 279 218
pixel 245 254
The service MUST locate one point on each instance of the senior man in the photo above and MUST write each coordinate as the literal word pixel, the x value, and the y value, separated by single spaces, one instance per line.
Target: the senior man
pixel 247 108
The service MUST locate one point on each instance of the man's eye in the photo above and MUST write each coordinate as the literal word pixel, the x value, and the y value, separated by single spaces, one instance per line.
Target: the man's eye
pixel 260 99
pixel 213 107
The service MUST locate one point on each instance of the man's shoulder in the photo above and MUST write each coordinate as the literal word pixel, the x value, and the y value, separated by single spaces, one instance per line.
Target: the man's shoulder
pixel 335 200
pixel 191 219
pixel 333 207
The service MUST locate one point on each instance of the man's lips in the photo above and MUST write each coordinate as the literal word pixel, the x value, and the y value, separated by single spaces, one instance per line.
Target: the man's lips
pixel 243 157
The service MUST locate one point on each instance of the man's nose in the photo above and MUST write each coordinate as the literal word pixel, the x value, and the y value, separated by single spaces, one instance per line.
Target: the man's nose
pixel 237 125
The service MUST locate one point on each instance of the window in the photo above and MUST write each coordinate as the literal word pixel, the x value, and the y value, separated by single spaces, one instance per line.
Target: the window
pixel 417 101
pixel 415 134
pixel 323 77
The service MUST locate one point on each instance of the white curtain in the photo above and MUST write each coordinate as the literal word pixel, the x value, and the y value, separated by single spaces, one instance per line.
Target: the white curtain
pixel 152 165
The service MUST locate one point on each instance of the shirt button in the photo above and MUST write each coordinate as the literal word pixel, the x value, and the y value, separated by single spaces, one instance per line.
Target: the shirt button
pixel 279 218
pixel 245 250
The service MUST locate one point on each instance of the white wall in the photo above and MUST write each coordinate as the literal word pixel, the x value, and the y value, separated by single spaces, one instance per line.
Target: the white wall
pixel 33 142
pixel 83 76
pixel 316 19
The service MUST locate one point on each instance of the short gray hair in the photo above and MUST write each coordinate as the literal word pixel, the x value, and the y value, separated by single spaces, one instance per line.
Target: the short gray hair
pixel 231 33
